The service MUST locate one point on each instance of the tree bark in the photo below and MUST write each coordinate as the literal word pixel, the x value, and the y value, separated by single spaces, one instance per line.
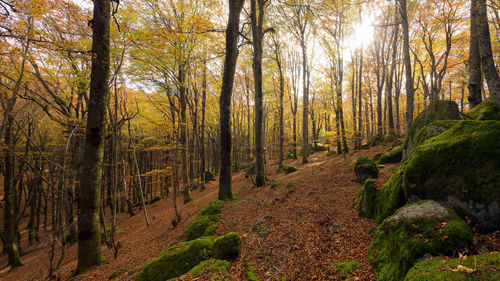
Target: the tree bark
pixel 475 77
pixel 407 60
pixel 232 32
pixel 487 62
pixel 89 240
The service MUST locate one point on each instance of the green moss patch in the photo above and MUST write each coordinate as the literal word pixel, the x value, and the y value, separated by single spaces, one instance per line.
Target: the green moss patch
pixel 331 153
pixel 276 184
pixel 250 271
pixel 288 169
pixel 486 268
pixel 392 156
pixel 377 156
pixel 181 258
pixel 460 168
pixel 487 110
pixel 346 268
pixel 203 225
pixel 436 110
pixel 413 231
pixel 366 203
pixel 365 168
pixel 213 267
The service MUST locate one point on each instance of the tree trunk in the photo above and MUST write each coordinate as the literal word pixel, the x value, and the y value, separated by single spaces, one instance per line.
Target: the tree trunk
pixel 487 62
pixel 89 240
pixel 407 60
pixel 305 104
pixel 232 33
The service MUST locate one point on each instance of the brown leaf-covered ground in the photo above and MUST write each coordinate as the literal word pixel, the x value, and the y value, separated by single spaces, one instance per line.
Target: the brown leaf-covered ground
pixel 296 232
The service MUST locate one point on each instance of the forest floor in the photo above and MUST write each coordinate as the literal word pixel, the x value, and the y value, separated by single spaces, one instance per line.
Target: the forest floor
pixel 297 230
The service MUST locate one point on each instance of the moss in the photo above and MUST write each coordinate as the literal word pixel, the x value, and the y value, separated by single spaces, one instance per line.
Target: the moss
pixel 390 197
pixel 399 243
pixel 290 156
pixel 365 208
pixel 290 185
pixel 436 110
pixel 214 266
pixel 227 247
pixel 202 225
pixel 331 153
pixel 117 272
pixel 377 139
pixel 461 168
pixel 392 156
pixel 250 271
pixel 179 260
pixel 289 169
pixel 487 268
pixel 431 130
pixel 377 156
pixel 365 168
pixel 487 110
pixel 345 268
pixel 276 184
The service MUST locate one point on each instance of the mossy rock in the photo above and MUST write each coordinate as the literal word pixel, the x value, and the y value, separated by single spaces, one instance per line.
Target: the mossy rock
pixel 377 156
pixel 487 268
pixel 390 138
pixel 436 110
pixel 390 197
pixel 209 176
pixel 375 140
pixel 365 168
pixel 431 130
pixel 392 156
pixel 461 169
pixel 289 169
pixel 212 268
pixel 203 225
pixel 180 258
pixel 487 110
pixel 366 203
pixel 177 260
pixel 414 231
pixel 227 247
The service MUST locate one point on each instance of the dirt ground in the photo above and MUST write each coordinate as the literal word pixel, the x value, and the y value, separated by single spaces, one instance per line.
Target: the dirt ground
pixel 296 230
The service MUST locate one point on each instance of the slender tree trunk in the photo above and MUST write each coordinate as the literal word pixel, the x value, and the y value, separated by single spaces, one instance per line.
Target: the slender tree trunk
pixel 360 92
pixel 407 60
pixel 232 33
pixel 487 62
pixel 305 104
pixel 391 76
pixel 89 240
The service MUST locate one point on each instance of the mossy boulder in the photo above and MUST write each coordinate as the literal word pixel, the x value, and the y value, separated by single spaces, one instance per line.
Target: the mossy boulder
pixel 416 230
pixel 390 197
pixel 227 247
pixel 461 169
pixel 392 156
pixel 375 140
pixel 177 260
pixel 365 168
pixel 486 268
pixel 213 268
pixel 202 225
pixel 181 258
pixel 365 208
pixel 377 156
pixel 288 169
pixel 487 110
pixel 436 110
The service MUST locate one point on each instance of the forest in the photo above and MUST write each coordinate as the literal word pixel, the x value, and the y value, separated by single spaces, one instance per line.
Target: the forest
pixel 250 140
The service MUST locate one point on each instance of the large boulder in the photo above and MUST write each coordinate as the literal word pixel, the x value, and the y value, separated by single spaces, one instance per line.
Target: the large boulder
pixel 481 268
pixel 203 223
pixel 392 156
pixel 365 168
pixel 390 197
pixel 487 110
pixel 436 110
pixel 461 169
pixel 180 258
pixel 365 208
pixel 414 231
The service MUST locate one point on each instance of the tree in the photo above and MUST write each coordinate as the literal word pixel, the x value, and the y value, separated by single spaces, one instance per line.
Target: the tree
pixel 407 61
pixel 232 34
pixel 475 77
pixel 89 238
pixel 487 62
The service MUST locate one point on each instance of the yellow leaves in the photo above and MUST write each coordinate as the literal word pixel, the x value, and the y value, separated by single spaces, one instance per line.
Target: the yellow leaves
pixel 463 269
